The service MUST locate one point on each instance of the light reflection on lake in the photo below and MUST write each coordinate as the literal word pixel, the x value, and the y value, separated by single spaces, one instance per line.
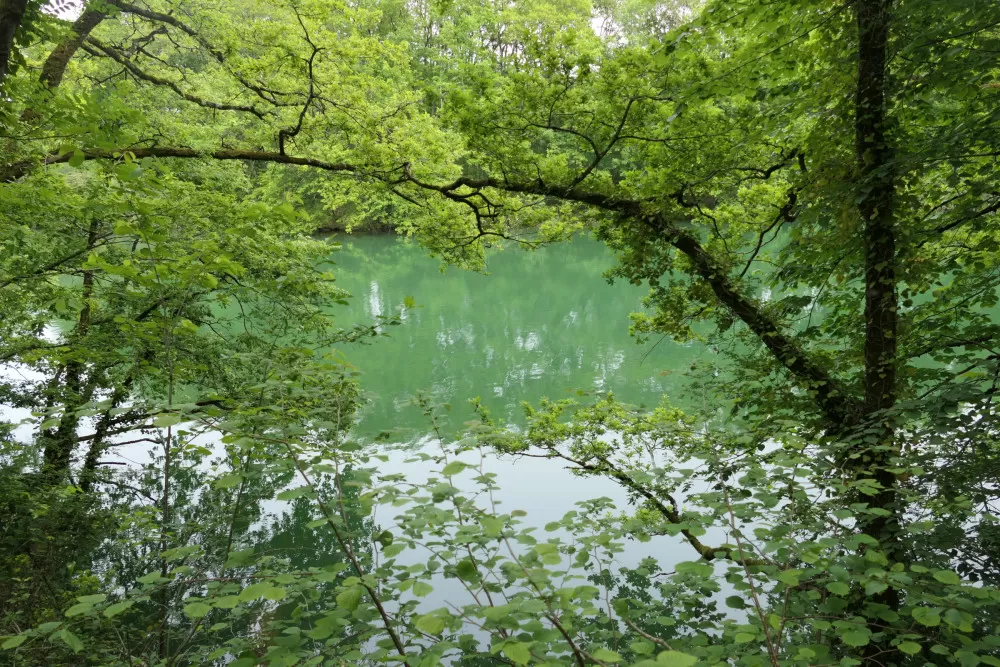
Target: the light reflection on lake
pixel 542 324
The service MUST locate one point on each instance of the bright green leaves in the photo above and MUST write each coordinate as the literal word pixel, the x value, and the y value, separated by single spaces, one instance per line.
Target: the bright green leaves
pixel 675 659
pixel 266 590
pixel 151 578
pixel 926 616
pixel 422 589
pixel 857 636
pixel 789 577
pixel 350 598
pixel 492 526
pixel 947 577
pixel 606 655
pixel 433 624
pixel 70 639
pixel 196 610
pixel 454 468
pixel 838 588
pixel 128 171
pixel 525 94
pixel 85 604
pixel 548 553
pixel 518 652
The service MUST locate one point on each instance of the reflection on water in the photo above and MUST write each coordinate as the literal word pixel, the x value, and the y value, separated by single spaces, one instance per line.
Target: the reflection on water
pixel 539 324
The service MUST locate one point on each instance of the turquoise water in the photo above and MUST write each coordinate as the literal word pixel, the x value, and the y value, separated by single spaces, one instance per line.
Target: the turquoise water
pixel 539 324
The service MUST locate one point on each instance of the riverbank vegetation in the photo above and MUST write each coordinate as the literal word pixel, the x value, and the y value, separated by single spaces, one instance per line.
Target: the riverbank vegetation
pixel 807 189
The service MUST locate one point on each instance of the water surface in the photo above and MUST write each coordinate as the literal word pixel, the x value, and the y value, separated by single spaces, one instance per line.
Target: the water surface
pixel 539 324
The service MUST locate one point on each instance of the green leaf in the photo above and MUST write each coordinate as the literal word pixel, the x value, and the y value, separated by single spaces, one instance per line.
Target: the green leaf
pixel 76 159
pixel 290 494
pixel 875 587
pixel 454 468
pixel 13 642
pixel 422 589
pixel 735 602
pixel 70 639
pixel 467 570
pixel 947 577
pixel 254 591
pixel 78 609
pixel 744 637
pixel 93 599
pixel 909 648
pixel 432 624
pixel 856 637
pixel 350 598
pixel 519 652
pixel 165 419
pixel 926 616
pixel 238 558
pixel 789 577
pixel 196 609
pixel 275 593
pixel 492 526
pixel 606 655
pixel 128 171
pixel 117 608
pixel 676 659
pixel 393 549
pixel 957 619
pixel 838 588
pixel 226 602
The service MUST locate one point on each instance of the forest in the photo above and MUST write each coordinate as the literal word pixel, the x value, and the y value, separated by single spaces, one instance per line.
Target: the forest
pixel 223 227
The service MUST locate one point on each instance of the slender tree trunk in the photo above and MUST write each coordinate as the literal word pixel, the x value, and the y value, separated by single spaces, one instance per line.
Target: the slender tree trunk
pixel 60 442
pixel 99 443
pixel 11 15
pixel 876 184
pixel 164 639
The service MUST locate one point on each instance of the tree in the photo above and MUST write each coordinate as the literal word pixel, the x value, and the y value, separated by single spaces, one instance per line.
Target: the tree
pixel 775 173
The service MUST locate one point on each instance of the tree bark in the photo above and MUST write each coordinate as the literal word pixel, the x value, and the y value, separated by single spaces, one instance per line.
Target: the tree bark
pixel 11 15
pixel 60 442
pixel 876 183
pixel 55 65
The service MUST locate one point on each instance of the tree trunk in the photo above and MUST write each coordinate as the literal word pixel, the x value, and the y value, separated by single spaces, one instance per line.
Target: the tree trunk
pixel 60 442
pixel 876 189
pixel 875 205
pixel 55 65
pixel 11 15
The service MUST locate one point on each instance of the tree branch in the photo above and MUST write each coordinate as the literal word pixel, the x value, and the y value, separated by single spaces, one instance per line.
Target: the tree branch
pixel 54 67
pixel 138 73
pixel 834 401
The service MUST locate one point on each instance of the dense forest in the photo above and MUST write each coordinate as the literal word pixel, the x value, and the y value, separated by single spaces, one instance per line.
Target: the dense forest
pixel 807 191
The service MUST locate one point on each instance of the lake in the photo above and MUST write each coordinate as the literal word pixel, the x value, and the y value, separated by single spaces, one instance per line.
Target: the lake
pixel 537 324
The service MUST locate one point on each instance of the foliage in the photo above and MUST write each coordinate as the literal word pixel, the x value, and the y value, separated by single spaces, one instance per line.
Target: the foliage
pixel 806 187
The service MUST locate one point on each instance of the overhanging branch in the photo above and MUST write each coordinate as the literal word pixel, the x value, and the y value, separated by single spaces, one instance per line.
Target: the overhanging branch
pixel 138 73
pixel 836 404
